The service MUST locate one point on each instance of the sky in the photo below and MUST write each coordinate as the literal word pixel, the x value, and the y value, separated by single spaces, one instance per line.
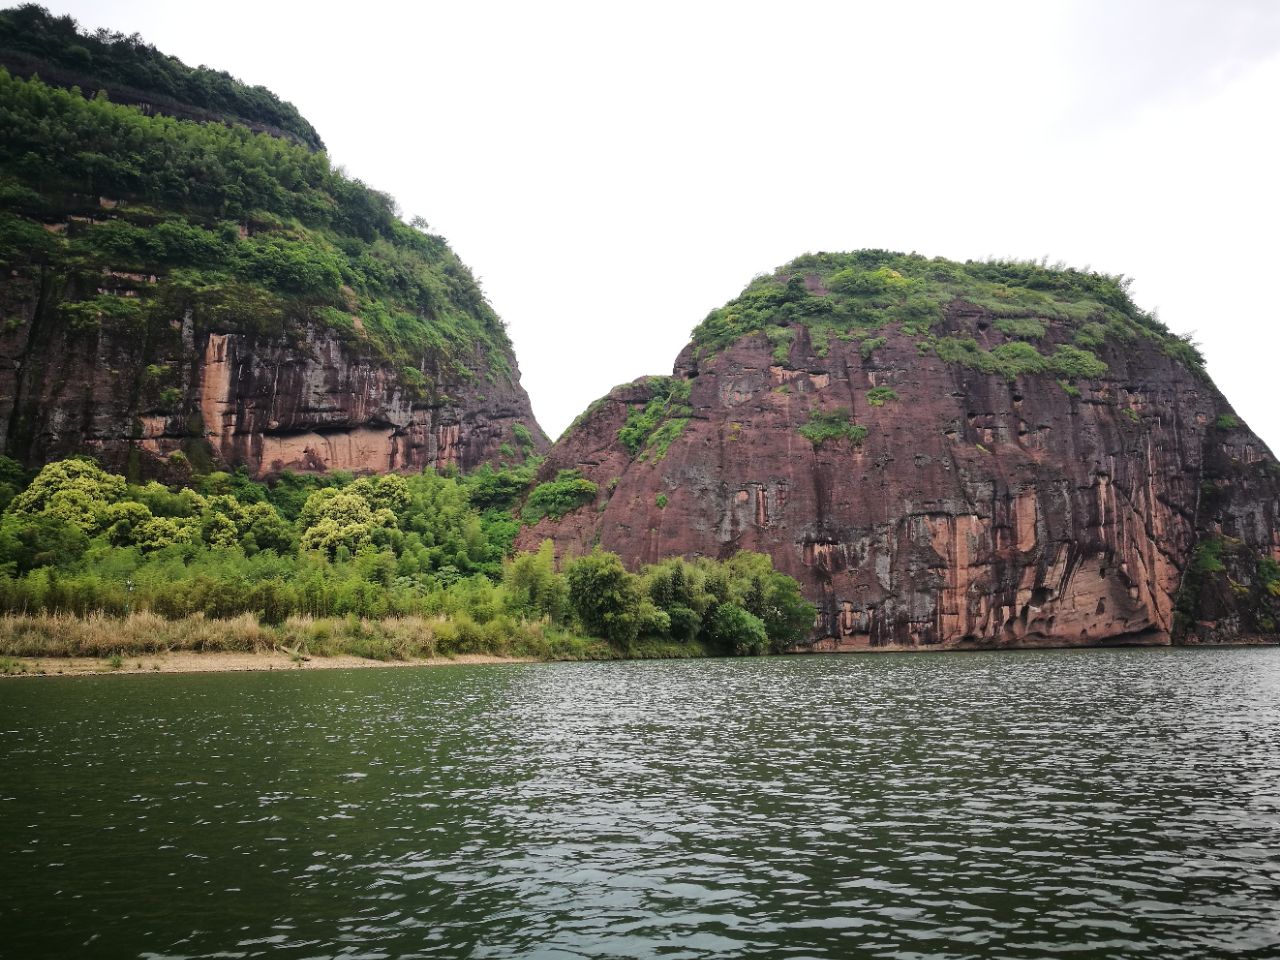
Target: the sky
pixel 614 171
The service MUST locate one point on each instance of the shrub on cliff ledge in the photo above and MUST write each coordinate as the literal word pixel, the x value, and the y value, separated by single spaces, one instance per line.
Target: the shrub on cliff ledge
pixel 879 396
pixel 555 498
pixel 1018 358
pixel 651 429
pixel 835 425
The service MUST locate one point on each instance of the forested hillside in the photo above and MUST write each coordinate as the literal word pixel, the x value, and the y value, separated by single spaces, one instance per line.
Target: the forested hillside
pixel 75 539
pixel 34 41
pixel 147 255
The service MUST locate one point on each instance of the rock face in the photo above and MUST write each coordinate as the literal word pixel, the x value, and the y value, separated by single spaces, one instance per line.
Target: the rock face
pixel 187 282
pixel 309 401
pixel 978 509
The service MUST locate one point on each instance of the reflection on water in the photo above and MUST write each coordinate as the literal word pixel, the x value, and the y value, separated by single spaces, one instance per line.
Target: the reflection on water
pixel 1096 803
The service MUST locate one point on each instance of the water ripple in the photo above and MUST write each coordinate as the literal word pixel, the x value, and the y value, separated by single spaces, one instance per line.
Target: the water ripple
pixel 1080 804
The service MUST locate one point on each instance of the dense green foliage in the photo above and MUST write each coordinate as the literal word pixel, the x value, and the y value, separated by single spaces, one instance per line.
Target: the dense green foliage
pixel 555 498
pixel 832 425
pixel 1017 358
pixel 76 539
pixel 249 232
pixel 741 606
pixel 852 295
pixel 1025 328
pixel 29 34
pixel 650 430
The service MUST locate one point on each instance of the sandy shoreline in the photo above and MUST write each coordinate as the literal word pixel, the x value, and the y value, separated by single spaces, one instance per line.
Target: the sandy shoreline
pixel 188 661
pixel 185 661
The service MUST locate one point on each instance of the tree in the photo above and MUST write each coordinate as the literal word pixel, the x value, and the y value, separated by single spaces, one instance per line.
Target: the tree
pixel 773 597
pixel 388 492
pixel 604 597
pixel 77 491
pixel 673 586
pixel 333 519
pixel 264 529
pixel 28 542
pixel 532 587
pixel 736 631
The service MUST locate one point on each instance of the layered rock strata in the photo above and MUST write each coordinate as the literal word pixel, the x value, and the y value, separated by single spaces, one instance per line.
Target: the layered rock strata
pixel 311 400
pixel 977 510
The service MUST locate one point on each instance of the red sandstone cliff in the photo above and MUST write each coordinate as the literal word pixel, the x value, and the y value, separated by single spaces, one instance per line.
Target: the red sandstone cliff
pixel 977 510
pixel 174 280
pixel 308 400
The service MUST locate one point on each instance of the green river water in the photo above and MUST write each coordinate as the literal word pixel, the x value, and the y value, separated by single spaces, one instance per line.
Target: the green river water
pixel 1086 803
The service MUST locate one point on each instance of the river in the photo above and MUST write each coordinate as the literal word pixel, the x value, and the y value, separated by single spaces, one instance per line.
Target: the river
pixel 1075 803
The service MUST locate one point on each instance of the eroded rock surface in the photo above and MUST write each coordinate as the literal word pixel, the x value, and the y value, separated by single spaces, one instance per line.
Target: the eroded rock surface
pixel 310 400
pixel 978 510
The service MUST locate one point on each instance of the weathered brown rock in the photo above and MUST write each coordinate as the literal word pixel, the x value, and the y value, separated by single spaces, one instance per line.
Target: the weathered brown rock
pixel 977 511
pixel 312 399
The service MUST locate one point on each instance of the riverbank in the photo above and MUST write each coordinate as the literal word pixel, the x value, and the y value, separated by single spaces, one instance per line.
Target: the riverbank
pixel 147 643
pixel 190 662
pixel 64 644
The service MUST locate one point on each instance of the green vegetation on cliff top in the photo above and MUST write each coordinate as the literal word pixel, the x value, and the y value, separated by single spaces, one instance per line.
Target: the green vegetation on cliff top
pixel 248 232
pixel 32 37
pixel 851 295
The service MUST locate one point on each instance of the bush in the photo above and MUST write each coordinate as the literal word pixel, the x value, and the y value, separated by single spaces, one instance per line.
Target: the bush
pixel 879 396
pixel 1025 328
pixel 870 346
pixel 661 420
pixel 605 598
pixel 780 338
pixel 835 425
pixel 556 498
pixel 1074 362
pixel 736 631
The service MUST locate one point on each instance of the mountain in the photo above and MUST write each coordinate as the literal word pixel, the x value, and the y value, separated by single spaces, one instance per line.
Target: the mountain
pixel 944 455
pixel 130 70
pixel 188 281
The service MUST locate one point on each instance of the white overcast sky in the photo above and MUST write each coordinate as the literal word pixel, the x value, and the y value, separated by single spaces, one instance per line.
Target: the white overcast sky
pixel 613 171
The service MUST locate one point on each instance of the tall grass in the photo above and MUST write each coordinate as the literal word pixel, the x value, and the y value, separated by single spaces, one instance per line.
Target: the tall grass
pixel 391 638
